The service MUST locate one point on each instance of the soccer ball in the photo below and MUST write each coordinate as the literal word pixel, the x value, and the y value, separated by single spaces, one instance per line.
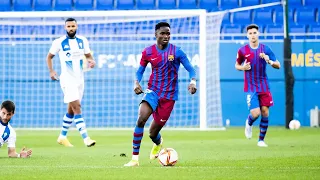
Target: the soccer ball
pixel 294 124
pixel 168 157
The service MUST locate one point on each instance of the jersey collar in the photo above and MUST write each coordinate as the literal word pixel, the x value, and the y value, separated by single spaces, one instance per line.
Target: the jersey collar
pixel 70 37
pixel 254 48
pixel 162 50
pixel 3 124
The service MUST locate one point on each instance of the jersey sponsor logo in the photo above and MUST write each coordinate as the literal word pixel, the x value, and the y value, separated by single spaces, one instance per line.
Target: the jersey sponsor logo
pixel 163 120
pixel 152 59
pixel 171 57
pixel 247 55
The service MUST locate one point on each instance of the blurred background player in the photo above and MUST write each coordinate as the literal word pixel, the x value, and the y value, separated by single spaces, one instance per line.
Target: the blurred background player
pixel 162 92
pixel 8 135
pixel 71 50
pixel 253 59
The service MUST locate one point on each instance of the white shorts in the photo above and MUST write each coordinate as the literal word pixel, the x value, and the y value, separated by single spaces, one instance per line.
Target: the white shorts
pixel 72 92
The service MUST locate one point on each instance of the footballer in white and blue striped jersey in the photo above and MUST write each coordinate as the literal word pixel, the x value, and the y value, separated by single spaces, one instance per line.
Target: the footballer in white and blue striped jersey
pixel 72 49
pixel 7 133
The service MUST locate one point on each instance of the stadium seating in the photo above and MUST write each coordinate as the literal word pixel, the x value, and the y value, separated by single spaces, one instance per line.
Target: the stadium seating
pixel 263 16
pixel 188 4
pixel 209 5
pixel 167 4
pixel 242 17
pixel 269 1
pixel 5 5
pixel 312 3
pixel 250 2
pixel 63 5
pixel 279 16
pixel 295 3
pixel 104 4
pixel 229 4
pixel 43 5
pixel 84 5
pixel 145 4
pixel 125 4
pixel 22 5
pixel 304 15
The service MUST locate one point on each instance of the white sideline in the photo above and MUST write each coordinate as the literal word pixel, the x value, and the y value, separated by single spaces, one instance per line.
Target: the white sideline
pixel 156 167
pixel 123 129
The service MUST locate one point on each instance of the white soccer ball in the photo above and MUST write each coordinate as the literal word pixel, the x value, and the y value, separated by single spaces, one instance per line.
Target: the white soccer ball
pixel 294 124
pixel 168 157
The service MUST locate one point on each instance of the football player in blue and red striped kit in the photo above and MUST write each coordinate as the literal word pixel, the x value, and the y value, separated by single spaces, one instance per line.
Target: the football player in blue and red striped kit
pixel 253 59
pixel 162 92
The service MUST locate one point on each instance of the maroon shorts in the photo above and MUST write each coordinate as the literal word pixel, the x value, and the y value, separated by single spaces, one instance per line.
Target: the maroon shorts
pixel 265 99
pixel 163 111
pixel 258 99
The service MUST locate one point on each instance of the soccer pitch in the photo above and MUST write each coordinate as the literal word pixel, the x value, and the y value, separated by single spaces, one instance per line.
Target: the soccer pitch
pixel 202 155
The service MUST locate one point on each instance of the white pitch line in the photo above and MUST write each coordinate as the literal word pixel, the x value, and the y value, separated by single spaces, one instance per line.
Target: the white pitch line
pixel 176 167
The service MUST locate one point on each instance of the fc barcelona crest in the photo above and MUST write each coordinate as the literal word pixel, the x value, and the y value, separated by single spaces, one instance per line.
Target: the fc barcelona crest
pixel 170 57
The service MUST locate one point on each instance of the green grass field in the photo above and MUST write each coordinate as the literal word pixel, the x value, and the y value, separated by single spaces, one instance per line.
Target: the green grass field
pixel 202 155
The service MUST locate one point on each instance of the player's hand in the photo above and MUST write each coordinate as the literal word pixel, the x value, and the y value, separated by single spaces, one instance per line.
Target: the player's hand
pixel 53 75
pixel 265 57
pixel 25 153
pixel 92 63
pixel 246 66
pixel 192 88
pixel 137 88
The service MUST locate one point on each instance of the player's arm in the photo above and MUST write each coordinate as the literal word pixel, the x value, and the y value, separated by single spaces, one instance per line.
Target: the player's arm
pixel 53 50
pixel 87 53
pixel 270 58
pixel 139 73
pixel 241 64
pixel 25 153
pixel 192 72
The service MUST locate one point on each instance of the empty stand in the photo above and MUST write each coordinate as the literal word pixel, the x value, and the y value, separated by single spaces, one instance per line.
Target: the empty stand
pixel 188 4
pixel 83 4
pixel 167 4
pixel 125 4
pixel 63 5
pixel 43 5
pixel 104 4
pixel 22 5
pixel 5 5
pixel 145 4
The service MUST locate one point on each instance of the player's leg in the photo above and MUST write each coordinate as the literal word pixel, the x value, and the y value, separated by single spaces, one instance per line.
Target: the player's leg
pixel 78 119
pixel 67 121
pixel 145 111
pixel 265 102
pixel 254 107
pixel 148 104
pixel 160 117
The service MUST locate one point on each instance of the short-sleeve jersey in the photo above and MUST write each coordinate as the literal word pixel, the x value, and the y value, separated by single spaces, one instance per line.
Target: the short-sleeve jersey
pixel 71 53
pixel 255 79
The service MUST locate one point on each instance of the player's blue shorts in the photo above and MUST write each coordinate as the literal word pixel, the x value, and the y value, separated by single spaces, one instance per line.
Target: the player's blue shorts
pixel 257 99
pixel 152 98
pixel 161 107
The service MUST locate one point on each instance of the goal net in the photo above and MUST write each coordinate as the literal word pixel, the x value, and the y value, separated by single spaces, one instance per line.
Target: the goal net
pixel 116 39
